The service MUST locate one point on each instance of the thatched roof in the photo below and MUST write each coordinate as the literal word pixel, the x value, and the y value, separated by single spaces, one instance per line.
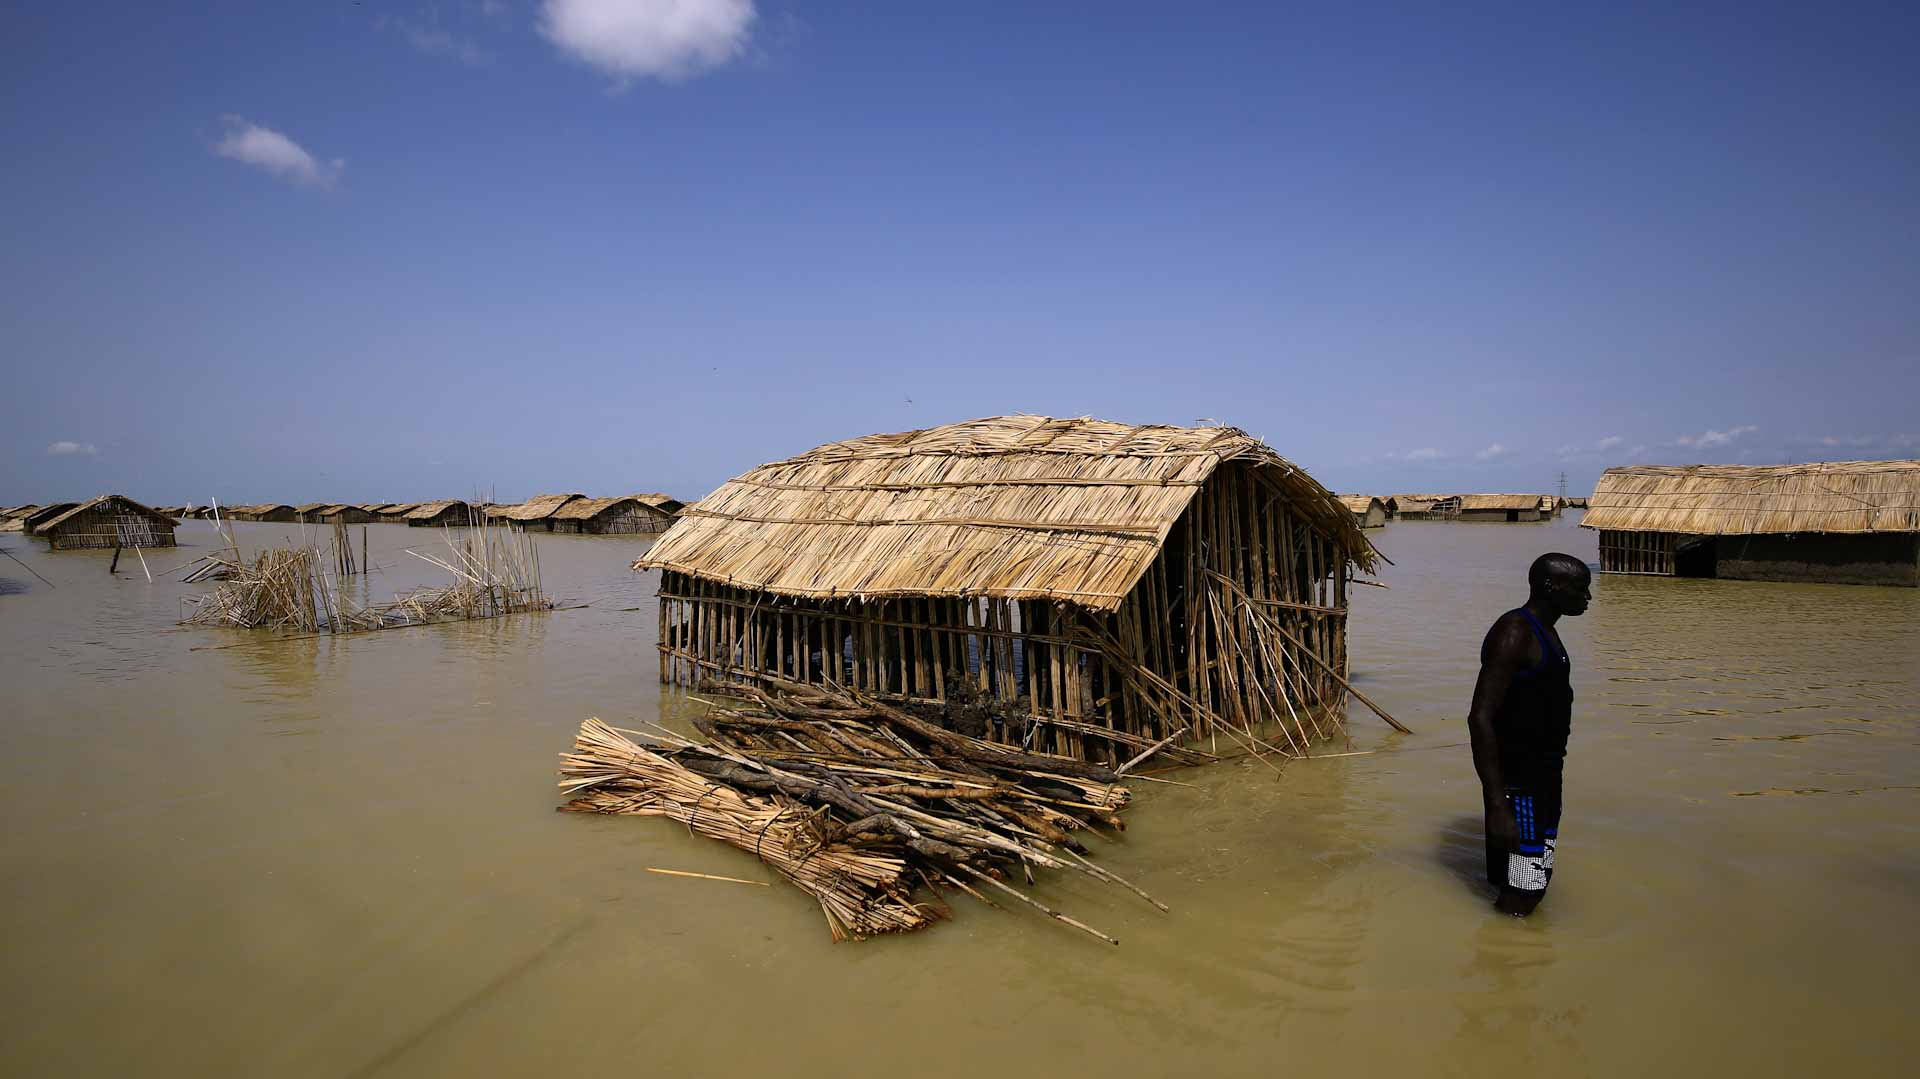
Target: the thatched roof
pixel 1736 500
pixel 397 509
pixel 32 521
pixel 1361 503
pixel 17 511
pixel 1010 506
pixel 582 509
pixel 537 508
pixel 311 507
pixel 1500 502
pixel 663 502
pixel 55 521
pixel 426 511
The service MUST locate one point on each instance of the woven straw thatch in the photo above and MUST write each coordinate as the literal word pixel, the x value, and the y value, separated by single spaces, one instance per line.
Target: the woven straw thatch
pixel 1009 507
pixel 1736 500
pixel 662 502
pixel 125 504
pixel 584 509
pixel 312 507
pixel 426 511
pixel 1501 502
pixel 1360 503
pixel 537 508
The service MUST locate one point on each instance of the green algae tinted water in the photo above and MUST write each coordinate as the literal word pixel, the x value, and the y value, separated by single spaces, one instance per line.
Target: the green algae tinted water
pixel 340 857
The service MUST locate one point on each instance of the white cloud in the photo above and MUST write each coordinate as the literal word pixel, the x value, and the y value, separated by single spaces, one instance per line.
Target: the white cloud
pixel 1488 454
pixel 1425 453
pixel 640 39
pixel 63 448
pixel 1637 451
pixel 265 148
pixel 1716 438
pixel 1608 442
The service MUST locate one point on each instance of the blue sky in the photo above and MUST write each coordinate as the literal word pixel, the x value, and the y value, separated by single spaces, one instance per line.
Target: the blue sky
pixel 402 250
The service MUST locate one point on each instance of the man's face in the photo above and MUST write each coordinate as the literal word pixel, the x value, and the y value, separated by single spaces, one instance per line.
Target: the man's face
pixel 1571 592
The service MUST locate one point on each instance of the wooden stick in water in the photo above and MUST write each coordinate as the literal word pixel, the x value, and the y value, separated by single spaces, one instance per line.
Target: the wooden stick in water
pixel 706 876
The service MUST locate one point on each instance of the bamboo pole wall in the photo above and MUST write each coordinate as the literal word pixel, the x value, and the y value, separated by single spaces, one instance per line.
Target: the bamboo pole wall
pixel 1641 553
pixel 1210 641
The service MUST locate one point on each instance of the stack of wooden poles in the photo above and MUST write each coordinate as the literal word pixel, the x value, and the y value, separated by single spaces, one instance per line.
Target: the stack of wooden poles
pixel 858 802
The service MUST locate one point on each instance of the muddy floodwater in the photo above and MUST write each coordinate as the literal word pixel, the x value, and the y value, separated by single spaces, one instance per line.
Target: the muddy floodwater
pixel 340 857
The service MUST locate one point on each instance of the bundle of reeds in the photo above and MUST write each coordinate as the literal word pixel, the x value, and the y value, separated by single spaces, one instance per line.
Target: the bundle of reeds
pixel 857 801
pixel 495 572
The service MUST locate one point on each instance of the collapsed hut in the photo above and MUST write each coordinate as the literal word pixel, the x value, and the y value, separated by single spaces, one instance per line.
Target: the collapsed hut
pixel 1424 507
pixel 1111 585
pixel 535 514
pixel 1843 522
pixel 1368 511
pixel 626 516
pixel 1508 508
pixel 110 521
pixel 450 513
pixel 30 524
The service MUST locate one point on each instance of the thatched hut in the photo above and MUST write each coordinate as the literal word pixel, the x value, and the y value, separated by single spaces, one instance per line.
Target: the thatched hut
pixel 535 514
pixel 30 524
pixel 1423 507
pixel 277 512
pixel 1576 503
pixel 14 518
pixel 345 514
pixel 1368 511
pixel 449 513
pixel 312 511
pixel 1844 522
pixel 1509 508
pixel 1107 585
pixel 625 516
pixel 106 522
pixel 394 512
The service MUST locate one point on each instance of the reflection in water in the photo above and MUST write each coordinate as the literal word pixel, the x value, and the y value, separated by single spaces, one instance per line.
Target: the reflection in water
pixel 190 892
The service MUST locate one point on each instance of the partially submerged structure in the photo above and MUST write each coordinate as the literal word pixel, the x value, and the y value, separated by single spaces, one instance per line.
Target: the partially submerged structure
pixel 535 514
pixel 1423 507
pixel 1845 522
pixel 277 512
pixel 614 516
pixel 14 518
pixel 1509 508
pixel 345 515
pixel 1368 511
pixel 1108 585
pixel 31 522
pixel 109 521
pixel 450 513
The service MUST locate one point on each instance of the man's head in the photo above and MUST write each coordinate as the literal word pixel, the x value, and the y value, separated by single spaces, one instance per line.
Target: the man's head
pixel 1561 582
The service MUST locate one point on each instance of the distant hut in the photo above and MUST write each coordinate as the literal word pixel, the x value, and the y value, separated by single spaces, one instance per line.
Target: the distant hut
pixel 1844 522
pixel 1109 585
pixel 106 522
pixel 344 514
pixel 1419 507
pixel 1576 503
pixel 450 513
pixel 312 511
pixel 31 523
pixel 535 514
pixel 276 512
pixel 1509 508
pixel 611 516
pixel 662 503
pixel 395 512
pixel 1368 511
pixel 14 518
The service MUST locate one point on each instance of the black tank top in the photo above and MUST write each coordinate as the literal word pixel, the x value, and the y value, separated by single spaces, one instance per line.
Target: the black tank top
pixel 1537 714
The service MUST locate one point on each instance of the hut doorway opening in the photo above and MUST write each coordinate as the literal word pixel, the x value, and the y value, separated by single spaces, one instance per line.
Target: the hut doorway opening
pixel 1697 558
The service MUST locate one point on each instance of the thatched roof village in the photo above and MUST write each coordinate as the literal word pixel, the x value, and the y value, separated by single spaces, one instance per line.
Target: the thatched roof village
pixel 1113 577
pixel 1846 522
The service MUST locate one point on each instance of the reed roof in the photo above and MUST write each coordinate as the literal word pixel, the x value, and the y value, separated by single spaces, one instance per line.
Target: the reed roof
pixel 310 507
pixel 1501 502
pixel 1009 506
pixel 426 511
pixel 85 507
pixel 660 501
pixel 537 508
pixel 18 511
pixel 1361 503
pixel 1736 500
pixel 582 509
pixel 397 509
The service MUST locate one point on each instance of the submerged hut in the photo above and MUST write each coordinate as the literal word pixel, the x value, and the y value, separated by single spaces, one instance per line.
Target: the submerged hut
pixel 312 511
pixel 14 518
pixel 344 514
pixel 106 522
pixel 535 514
pixel 1576 503
pixel 394 511
pixel 1368 511
pixel 613 516
pixel 31 523
pixel 450 513
pixel 1418 507
pixel 1844 522
pixel 1106 585
pixel 1508 508
pixel 277 512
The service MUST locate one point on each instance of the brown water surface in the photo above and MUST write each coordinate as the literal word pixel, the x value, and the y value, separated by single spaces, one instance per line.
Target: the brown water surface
pixel 340 857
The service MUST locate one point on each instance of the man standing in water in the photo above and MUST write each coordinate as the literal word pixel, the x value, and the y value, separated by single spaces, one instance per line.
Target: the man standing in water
pixel 1522 714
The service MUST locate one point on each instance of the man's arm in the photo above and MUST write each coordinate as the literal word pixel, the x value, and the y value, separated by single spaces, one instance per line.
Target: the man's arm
pixel 1504 654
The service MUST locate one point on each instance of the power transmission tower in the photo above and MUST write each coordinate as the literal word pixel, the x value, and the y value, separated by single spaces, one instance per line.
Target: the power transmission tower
pixel 1563 486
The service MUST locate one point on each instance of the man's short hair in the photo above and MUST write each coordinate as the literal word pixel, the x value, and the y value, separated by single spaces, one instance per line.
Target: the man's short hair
pixel 1548 566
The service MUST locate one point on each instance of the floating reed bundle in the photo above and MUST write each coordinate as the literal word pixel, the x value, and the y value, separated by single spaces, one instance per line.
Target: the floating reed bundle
pixel 857 802
pixel 495 572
